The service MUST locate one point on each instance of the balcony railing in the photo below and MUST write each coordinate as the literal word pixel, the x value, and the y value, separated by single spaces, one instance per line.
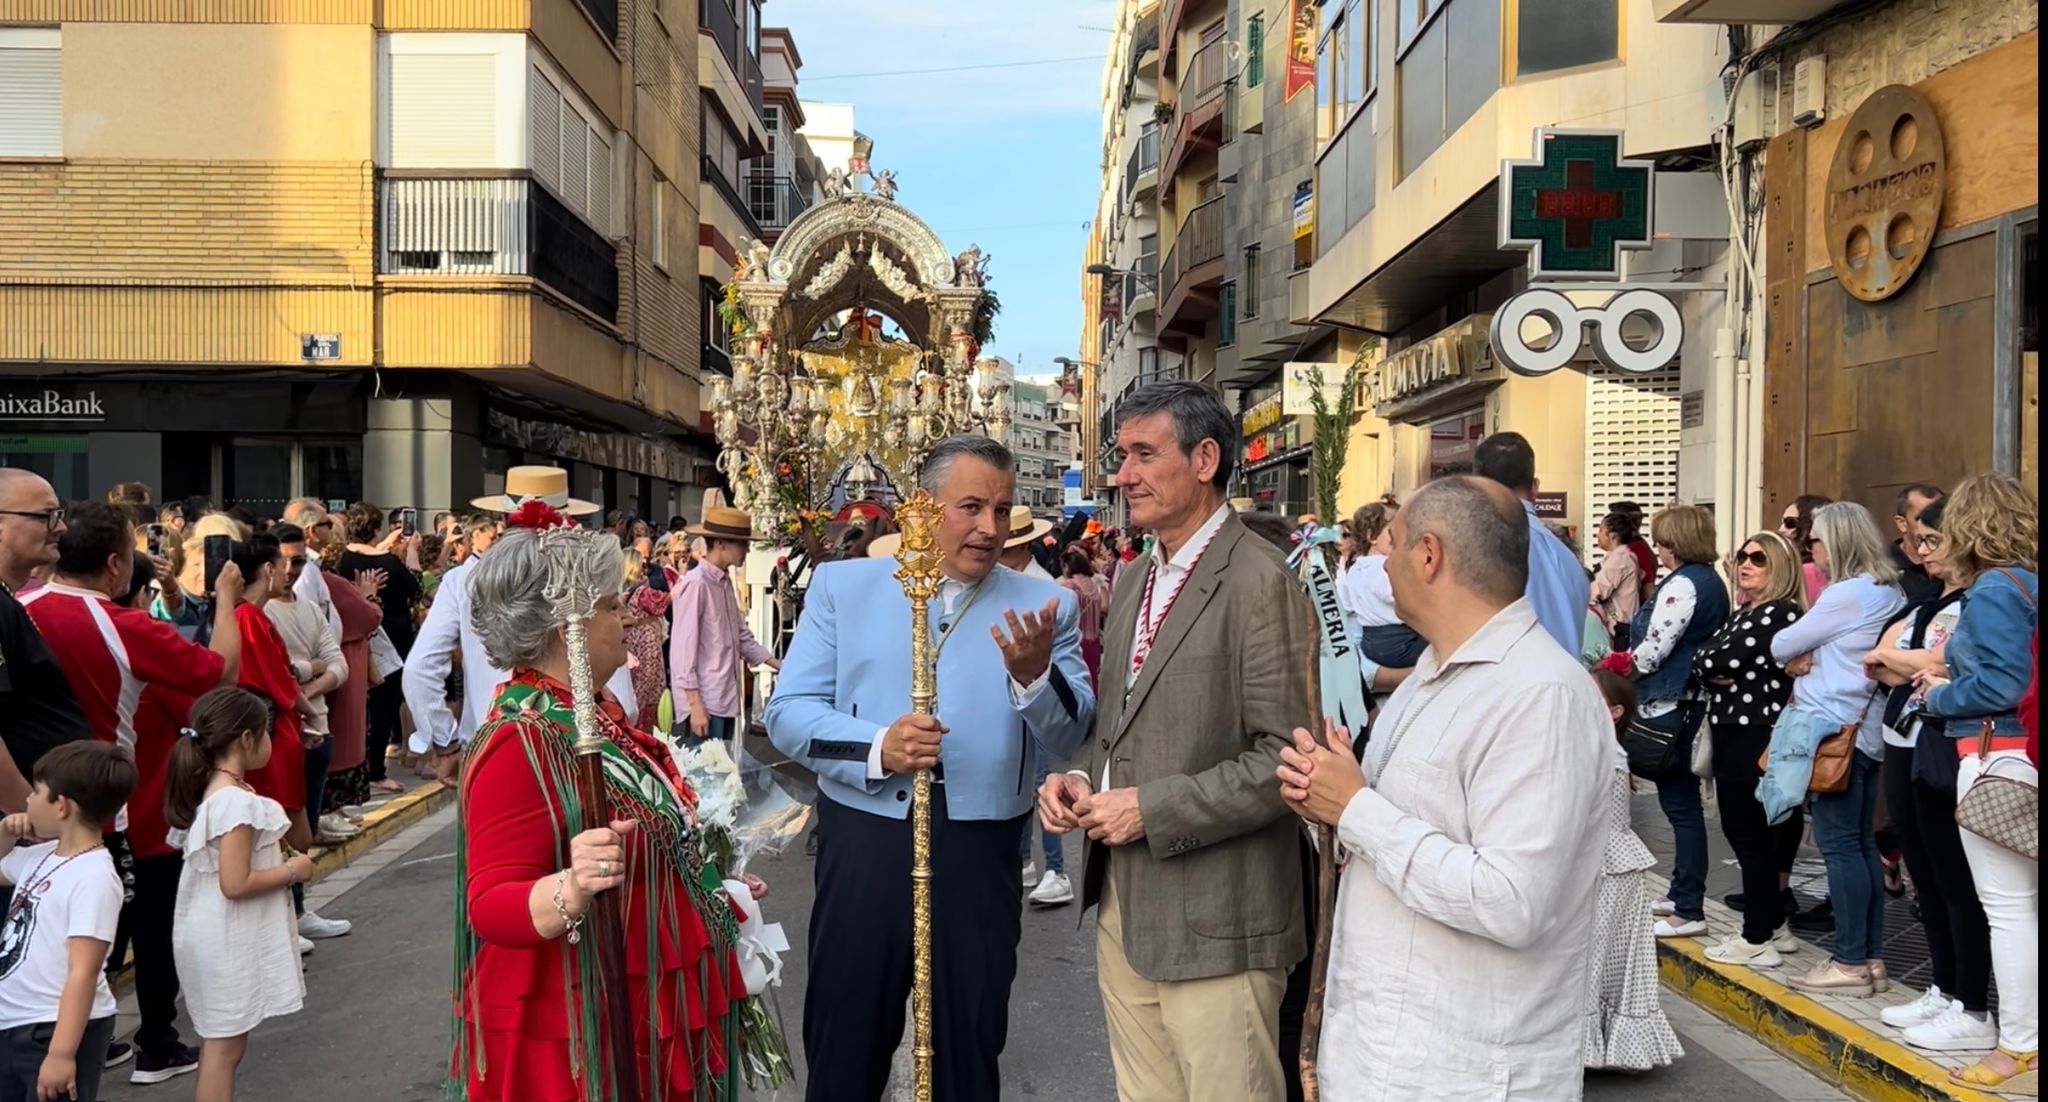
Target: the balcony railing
pixel 1141 280
pixel 718 17
pixel 775 201
pixel 605 13
pixel 750 75
pixel 1199 241
pixel 716 360
pixel 1207 71
pixel 495 226
pixel 1144 158
pixel 712 175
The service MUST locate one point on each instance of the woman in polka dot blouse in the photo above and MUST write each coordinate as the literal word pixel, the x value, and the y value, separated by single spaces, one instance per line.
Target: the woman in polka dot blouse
pixel 1746 691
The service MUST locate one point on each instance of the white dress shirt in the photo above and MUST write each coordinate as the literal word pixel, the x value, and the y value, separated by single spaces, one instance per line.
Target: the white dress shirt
pixel 312 589
pixel 446 632
pixel 1465 917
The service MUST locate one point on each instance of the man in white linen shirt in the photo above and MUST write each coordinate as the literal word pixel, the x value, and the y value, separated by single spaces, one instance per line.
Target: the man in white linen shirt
pixel 1465 912
pixel 447 631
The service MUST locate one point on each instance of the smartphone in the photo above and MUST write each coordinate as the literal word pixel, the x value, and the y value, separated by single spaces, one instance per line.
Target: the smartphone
pixel 219 549
pixel 155 533
pixel 409 523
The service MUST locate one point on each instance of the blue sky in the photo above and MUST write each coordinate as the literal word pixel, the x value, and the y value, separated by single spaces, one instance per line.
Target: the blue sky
pixel 1004 158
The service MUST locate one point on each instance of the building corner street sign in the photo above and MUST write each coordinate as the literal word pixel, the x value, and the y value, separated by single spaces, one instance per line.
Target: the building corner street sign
pixel 1577 205
pixel 320 346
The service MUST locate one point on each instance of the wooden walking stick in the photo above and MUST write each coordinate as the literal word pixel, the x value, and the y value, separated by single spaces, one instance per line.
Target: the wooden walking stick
pixel 573 593
pixel 918 569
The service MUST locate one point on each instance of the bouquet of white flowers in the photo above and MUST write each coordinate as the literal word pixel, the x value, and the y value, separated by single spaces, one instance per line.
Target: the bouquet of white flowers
pixel 745 809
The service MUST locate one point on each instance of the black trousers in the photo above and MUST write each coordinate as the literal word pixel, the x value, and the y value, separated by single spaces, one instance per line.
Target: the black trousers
pixel 23 1049
pixel 1294 1000
pixel 861 953
pixel 385 728
pixel 146 922
pixel 1958 935
pixel 1762 851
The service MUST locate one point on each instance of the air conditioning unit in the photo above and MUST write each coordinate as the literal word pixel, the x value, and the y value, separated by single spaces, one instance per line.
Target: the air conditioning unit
pixel 1810 91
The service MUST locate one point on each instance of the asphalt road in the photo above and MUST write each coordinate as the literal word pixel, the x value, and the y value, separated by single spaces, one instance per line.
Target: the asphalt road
pixel 375 1027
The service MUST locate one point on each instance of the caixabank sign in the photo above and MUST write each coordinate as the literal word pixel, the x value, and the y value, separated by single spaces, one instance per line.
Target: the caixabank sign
pixel 50 405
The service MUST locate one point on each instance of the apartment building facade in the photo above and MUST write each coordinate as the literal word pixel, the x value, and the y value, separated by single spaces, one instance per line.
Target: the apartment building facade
pixel 1042 445
pixel 1418 104
pixel 353 250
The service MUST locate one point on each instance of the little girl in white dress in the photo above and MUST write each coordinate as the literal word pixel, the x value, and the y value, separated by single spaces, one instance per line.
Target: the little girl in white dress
pixel 234 936
pixel 1624 1027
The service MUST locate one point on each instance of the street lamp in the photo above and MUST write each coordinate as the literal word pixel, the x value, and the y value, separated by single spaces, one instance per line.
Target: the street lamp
pixel 1111 270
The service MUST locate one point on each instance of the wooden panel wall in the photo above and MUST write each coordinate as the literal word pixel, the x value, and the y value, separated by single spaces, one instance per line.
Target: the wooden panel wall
pixel 1901 391
pixel 1784 381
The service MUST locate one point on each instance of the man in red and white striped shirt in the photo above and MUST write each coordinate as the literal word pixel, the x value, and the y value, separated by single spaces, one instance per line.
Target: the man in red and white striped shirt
pixel 135 678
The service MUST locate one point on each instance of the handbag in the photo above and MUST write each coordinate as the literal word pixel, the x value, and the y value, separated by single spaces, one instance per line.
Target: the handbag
pixel 2005 811
pixel 1703 753
pixel 1655 753
pixel 1831 762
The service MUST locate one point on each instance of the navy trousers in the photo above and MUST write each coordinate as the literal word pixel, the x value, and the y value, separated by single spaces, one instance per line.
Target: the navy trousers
pixel 861 953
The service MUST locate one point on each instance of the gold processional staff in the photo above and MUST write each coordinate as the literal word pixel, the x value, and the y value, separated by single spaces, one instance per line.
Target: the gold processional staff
pixel 918 562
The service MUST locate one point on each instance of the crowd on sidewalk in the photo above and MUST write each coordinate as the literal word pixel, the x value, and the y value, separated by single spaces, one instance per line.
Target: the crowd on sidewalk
pixel 277 674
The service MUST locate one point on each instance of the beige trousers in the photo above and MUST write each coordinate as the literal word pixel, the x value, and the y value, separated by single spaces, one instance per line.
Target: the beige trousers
pixel 1207 1040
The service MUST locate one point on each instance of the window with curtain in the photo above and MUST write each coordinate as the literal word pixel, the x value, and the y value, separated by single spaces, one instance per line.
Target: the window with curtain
pixel 1564 34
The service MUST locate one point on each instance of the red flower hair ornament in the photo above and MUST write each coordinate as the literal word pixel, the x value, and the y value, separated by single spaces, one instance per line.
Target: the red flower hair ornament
pixel 537 516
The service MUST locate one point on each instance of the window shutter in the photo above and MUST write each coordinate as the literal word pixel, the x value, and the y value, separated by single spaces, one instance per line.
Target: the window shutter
pixel 575 161
pixel 544 129
pixel 31 99
pixel 600 210
pixel 444 110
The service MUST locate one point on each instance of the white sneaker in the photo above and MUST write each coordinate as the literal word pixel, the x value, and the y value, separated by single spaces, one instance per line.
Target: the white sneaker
pixel 304 946
pixel 313 926
pixel 338 827
pixel 1053 891
pixel 1030 873
pixel 1679 927
pixel 1785 941
pixel 1932 1004
pixel 1663 907
pixel 1737 951
pixel 1957 1030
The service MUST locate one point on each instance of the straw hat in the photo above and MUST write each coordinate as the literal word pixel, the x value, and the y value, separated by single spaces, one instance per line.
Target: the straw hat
pixel 1024 528
pixel 547 485
pixel 884 546
pixel 722 523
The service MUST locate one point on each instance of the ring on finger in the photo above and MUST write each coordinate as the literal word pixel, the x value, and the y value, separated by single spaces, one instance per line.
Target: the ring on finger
pixel 604 868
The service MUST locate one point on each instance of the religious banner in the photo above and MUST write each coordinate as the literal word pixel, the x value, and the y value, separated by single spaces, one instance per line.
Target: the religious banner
pixel 1301 47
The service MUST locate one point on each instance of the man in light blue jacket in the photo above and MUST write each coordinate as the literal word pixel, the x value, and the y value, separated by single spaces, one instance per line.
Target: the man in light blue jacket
pixel 1010 675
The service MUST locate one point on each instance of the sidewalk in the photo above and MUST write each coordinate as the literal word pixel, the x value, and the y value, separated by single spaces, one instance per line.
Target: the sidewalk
pixel 1839 1039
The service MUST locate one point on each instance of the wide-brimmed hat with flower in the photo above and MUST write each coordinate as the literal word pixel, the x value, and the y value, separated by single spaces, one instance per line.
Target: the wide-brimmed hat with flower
pixel 547 485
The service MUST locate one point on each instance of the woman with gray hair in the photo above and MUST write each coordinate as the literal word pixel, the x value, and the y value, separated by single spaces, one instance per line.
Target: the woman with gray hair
pixel 529 1009
pixel 1824 652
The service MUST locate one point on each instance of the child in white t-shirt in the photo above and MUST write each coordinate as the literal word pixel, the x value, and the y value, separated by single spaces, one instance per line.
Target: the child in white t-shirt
pixel 54 999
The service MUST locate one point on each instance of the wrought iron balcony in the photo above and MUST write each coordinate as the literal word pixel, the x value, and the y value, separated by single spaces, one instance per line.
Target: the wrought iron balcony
pixel 506 226
pixel 1144 158
pixel 775 201
pixel 713 176
pixel 1196 256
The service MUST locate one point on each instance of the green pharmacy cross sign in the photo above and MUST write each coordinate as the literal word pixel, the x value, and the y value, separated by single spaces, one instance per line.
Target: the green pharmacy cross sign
pixel 1576 205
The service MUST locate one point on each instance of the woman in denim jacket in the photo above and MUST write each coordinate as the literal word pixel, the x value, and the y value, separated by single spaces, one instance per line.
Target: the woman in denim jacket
pixel 1992 537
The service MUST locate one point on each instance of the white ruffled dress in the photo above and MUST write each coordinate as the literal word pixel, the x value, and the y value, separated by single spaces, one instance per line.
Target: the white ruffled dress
pixel 238 959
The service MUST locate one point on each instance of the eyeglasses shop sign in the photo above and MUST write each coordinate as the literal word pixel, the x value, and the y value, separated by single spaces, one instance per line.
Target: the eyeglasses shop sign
pixel 51 405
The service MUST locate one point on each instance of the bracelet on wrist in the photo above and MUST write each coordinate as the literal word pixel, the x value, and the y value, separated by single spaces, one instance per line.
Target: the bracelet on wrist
pixel 572 923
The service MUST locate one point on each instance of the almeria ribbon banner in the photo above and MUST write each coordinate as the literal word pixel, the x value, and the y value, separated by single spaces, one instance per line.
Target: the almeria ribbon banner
pixel 1305 19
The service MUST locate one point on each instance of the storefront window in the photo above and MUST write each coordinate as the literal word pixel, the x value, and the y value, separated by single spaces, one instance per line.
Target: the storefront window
pixel 332 470
pixel 1453 441
pixel 60 459
pixel 256 475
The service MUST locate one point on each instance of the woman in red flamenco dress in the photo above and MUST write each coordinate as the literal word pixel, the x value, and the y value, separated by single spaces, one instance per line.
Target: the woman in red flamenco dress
pixel 529 1005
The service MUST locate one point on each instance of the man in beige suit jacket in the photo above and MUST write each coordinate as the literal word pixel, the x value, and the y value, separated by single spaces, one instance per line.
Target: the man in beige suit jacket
pixel 1192 856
